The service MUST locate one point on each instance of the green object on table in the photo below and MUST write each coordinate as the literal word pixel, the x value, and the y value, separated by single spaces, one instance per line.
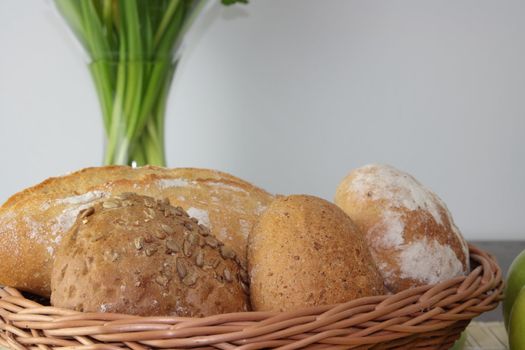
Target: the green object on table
pixel 460 343
pixel 516 326
pixel 132 47
pixel 515 282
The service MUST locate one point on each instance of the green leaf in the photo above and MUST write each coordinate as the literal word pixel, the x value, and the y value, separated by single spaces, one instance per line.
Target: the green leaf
pixel 166 19
pixel 72 12
pixel 231 2
pixel 94 32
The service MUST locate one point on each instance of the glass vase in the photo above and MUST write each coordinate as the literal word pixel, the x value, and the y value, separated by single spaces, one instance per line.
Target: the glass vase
pixel 132 48
pixel 133 109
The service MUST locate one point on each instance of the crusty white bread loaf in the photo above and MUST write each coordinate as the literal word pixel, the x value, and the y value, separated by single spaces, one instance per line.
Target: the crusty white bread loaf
pixel 409 229
pixel 33 222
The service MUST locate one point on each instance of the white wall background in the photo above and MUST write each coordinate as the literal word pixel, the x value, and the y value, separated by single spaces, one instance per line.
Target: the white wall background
pixel 292 94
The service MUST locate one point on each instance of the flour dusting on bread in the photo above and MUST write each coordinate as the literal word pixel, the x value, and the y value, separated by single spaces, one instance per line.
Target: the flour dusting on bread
pixel 72 206
pixel 169 183
pixel 225 186
pixel 84 198
pixel 201 215
pixel 429 262
pixel 399 189
pixel 8 225
pixel 393 228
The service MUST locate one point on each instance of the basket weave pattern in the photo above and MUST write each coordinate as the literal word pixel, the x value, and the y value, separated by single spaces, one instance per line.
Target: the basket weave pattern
pixel 428 317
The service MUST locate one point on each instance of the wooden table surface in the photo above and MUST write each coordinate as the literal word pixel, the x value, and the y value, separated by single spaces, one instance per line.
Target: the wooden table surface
pixel 486 336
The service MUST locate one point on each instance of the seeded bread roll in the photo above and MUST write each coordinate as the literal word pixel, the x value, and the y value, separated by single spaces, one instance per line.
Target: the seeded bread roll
pixel 133 254
pixel 409 229
pixel 305 251
pixel 33 222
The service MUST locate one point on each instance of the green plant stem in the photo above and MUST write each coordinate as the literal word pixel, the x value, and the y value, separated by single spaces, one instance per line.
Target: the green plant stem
pixel 153 138
pixel 104 91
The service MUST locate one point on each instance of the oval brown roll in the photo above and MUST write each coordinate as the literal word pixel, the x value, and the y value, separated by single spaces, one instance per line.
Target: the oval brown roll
pixel 137 255
pixel 409 229
pixel 305 251
pixel 34 221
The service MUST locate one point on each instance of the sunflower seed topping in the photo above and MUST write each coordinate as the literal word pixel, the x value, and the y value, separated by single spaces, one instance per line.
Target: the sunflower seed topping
pixel 212 242
pixel 125 195
pixel 227 252
pixel 190 279
pixel 127 203
pixel 214 262
pixel 227 275
pixel 111 204
pixel 159 234
pixel 149 203
pixel 193 238
pixel 87 212
pixel 170 211
pixel 204 230
pixel 181 269
pixel 168 229
pixel 162 280
pixel 186 248
pixel 139 243
pixel 150 213
pixel 199 260
pixel 150 251
pixel 172 246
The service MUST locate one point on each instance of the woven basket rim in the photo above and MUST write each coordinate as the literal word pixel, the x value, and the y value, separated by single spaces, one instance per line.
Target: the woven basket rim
pixel 429 316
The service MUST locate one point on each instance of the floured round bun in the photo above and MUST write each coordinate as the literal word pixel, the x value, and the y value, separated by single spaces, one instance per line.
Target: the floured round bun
pixel 305 251
pixel 409 229
pixel 136 255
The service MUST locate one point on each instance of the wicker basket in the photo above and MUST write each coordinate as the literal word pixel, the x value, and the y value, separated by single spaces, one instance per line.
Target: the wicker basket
pixel 428 317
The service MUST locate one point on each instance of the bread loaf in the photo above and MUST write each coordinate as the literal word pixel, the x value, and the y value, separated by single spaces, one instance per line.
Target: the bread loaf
pixel 409 229
pixel 305 251
pixel 136 255
pixel 33 222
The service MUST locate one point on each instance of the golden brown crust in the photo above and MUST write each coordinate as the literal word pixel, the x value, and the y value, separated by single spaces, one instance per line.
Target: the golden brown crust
pixel 409 230
pixel 136 255
pixel 305 251
pixel 33 221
